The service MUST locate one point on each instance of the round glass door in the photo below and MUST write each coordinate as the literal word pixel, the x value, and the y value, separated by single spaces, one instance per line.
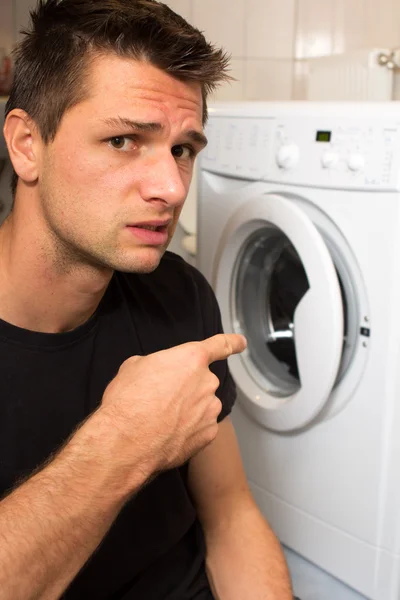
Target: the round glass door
pixel 276 283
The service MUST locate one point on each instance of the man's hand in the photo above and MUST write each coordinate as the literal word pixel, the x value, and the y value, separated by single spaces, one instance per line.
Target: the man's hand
pixel 164 404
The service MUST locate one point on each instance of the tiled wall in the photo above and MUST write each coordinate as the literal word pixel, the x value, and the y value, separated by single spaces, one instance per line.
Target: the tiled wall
pixel 341 26
pixel 269 40
pixel 259 35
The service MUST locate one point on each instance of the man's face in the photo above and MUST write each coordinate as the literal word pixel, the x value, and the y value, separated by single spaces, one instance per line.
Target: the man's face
pixel 113 182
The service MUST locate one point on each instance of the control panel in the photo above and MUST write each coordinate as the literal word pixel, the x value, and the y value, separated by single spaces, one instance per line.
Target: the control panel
pixel 316 151
pixel 238 147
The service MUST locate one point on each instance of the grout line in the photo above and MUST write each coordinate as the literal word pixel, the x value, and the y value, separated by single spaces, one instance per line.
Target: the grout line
pixel 294 44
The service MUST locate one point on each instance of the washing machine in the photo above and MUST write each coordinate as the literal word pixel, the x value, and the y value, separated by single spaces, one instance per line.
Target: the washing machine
pixel 299 235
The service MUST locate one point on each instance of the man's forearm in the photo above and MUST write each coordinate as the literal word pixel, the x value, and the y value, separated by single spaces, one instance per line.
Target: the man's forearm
pixel 245 560
pixel 51 524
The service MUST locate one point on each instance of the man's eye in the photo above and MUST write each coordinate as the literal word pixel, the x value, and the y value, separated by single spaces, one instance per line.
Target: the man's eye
pixel 122 142
pixel 117 142
pixel 182 151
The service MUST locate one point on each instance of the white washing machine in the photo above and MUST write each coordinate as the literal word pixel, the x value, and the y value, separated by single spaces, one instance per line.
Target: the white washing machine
pixel 299 234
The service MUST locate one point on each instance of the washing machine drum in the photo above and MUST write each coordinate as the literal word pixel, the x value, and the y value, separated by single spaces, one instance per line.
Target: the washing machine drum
pixel 277 284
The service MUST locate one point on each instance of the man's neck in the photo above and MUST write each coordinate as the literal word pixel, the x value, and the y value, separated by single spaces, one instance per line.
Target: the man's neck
pixel 39 293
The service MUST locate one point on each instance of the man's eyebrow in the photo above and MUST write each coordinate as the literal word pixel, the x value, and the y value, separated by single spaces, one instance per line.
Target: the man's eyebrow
pixel 197 137
pixel 151 127
pixel 133 125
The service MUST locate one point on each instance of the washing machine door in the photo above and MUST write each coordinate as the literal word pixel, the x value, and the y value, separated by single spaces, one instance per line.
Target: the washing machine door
pixel 276 283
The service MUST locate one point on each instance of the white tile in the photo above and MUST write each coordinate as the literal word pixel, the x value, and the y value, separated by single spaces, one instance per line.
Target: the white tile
pixel 222 22
pixel 350 25
pixel 314 28
pixel 301 73
pixel 268 79
pixel 6 24
pixel 233 90
pixel 383 23
pixel 270 28
pixel 181 7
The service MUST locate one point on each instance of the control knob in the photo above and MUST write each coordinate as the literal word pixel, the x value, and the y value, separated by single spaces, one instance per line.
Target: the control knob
pixel 356 162
pixel 288 156
pixel 329 159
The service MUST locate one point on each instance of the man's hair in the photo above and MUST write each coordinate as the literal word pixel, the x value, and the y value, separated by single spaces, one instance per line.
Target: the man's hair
pixel 65 36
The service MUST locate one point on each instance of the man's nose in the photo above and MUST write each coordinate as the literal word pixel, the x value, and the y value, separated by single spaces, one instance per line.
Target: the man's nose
pixel 162 181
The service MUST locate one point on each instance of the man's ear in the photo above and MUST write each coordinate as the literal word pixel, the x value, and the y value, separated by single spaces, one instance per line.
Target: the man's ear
pixel 23 140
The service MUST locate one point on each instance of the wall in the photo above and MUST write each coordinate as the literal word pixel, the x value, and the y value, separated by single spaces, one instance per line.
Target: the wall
pixel 341 26
pixel 259 34
pixel 269 40
pixel 14 15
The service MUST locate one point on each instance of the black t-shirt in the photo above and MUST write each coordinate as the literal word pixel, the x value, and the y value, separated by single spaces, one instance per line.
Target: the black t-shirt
pixel 49 383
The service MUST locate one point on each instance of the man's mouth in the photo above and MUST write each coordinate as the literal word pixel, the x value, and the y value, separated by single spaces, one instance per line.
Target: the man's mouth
pixel 153 233
pixel 151 227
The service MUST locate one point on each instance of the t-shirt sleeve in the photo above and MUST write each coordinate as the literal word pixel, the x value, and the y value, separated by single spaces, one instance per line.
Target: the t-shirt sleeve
pixel 212 323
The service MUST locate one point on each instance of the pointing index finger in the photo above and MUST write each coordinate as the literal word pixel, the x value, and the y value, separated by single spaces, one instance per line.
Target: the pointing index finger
pixel 222 345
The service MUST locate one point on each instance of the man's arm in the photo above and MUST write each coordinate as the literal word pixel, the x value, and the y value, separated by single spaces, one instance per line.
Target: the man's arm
pixel 244 558
pixel 158 411
pixel 51 524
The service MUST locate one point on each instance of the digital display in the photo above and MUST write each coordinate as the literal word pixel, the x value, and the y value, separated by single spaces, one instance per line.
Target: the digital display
pixel 323 136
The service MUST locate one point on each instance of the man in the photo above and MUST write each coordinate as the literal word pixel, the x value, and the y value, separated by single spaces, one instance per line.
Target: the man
pixel 119 469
